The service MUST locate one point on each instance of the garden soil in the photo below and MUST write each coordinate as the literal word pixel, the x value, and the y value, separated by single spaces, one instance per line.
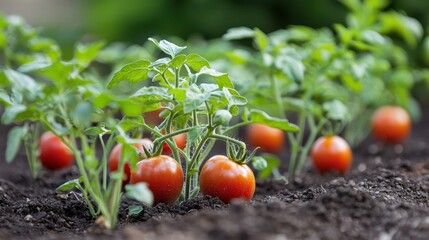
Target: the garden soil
pixel 384 196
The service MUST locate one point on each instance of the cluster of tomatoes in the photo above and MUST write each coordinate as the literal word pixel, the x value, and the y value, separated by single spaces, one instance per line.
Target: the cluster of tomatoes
pixel 390 124
pixel 221 177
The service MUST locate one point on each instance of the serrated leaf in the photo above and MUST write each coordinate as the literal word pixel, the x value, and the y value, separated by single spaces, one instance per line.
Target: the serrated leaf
pixel 194 98
pixel 4 97
pixel 133 72
pixel 11 112
pixel 139 192
pixel 238 33
pixel 259 163
pixel 168 47
pixel 134 210
pixel 152 94
pixel 86 53
pixel 14 140
pixel 273 163
pixel 178 60
pixel 335 110
pixel 291 67
pixel 131 123
pixel 82 114
pixel 194 134
pixel 222 79
pixel 261 39
pixel 196 62
pixel 35 66
pixel 258 116
pixel 69 185
pixel 160 62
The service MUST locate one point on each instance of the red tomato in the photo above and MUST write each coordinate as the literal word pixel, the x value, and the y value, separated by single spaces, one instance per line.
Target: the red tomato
pixel 267 138
pixel 223 178
pixel 391 124
pixel 180 140
pixel 153 118
pixel 331 153
pixel 164 176
pixel 115 156
pixel 53 153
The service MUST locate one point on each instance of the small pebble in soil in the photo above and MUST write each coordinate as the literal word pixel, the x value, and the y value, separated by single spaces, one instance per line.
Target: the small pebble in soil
pixel 374 149
pixel 377 160
pixel 28 218
pixel 398 148
pixel 362 167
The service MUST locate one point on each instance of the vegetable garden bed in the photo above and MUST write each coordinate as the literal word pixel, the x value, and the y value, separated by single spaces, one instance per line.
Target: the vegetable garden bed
pixel 385 196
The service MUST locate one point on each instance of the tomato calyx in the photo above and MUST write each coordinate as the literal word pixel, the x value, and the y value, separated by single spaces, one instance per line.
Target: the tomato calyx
pixel 238 154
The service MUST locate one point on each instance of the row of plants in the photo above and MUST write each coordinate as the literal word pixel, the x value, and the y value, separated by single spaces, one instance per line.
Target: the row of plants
pixel 329 80
pixel 141 121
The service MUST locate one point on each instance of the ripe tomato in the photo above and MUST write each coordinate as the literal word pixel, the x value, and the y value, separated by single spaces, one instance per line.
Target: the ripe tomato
pixel 153 118
pixel 53 153
pixel 164 176
pixel 391 124
pixel 180 140
pixel 267 138
pixel 115 156
pixel 223 178
pixel 331 153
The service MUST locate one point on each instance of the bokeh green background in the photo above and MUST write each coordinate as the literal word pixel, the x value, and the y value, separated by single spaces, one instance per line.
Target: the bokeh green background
pixel 134 20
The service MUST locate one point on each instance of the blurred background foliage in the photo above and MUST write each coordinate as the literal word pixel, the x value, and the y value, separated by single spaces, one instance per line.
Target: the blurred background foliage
pixel 134 21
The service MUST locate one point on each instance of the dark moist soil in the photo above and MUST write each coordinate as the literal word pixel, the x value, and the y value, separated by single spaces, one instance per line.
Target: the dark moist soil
pixel 384 196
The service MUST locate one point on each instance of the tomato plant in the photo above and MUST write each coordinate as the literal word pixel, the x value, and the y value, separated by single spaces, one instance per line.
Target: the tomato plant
pixel 163 175
pixel 331 153
pixel 54 154
pixel 391 124
pixel 223 178
pixel 267 138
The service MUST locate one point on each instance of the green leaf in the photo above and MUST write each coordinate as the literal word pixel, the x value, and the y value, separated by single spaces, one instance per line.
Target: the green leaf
pixel 82 114
pixel 86 53
pixel 22 83
pixel 259 163
pixel 408 28
pixel 194 134
pixel 152 94
pixel 222 79
pixel 133 72
pixel 161 62
pixel 168 47
pixel 344 33
pixel 4 97
pixel 261 39
pixel 222 117
pixel 196 62
pixel 234 99
pixel 134 210
pixel 35 66
pixel 178 61
pixel 258 116
pixel 291 67
pixel 14 139
pixel 194 98
pixel 139 192
pixel 273 163
pixel 238 33
pixel 11 112
pixel 373 37
pixel 128 124
pixel 103 99
pixel 336 110
pixel 69 185
pixel 96 131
